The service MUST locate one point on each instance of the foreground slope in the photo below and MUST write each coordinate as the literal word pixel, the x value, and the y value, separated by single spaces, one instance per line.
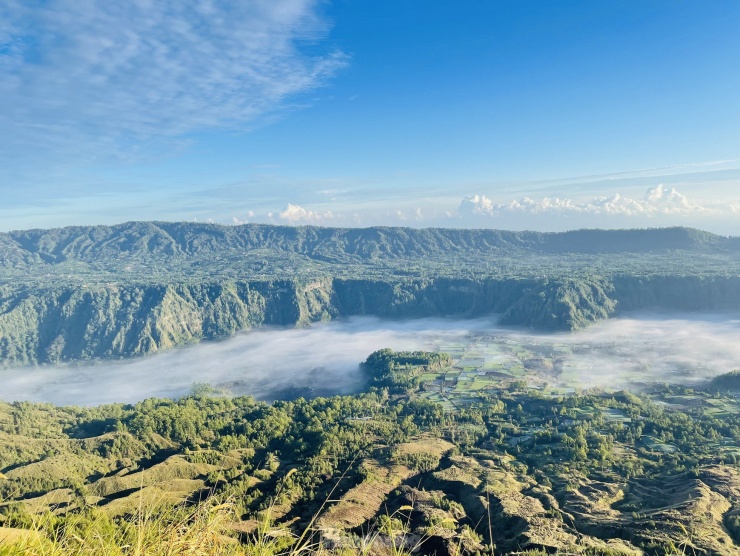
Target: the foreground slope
pixel 384 472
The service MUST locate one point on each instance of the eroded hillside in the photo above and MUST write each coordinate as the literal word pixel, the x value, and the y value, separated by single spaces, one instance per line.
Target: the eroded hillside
pixel 386 470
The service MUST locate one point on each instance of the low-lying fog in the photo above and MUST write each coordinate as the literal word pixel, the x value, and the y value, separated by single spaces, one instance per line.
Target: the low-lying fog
pixel 648 348
pixel 265 363
pixel 323 359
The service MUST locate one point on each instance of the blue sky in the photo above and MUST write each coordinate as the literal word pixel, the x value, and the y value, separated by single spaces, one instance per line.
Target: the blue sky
pixel 506 114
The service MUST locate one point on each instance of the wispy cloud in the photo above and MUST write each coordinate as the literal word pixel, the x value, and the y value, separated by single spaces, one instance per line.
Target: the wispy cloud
pixel 102 78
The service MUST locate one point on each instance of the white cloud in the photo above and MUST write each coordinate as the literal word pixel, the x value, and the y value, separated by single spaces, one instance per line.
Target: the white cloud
pixel 669 199
pixel 103 76
pixel 658 201
pixel 295 214
pixel 477 205
pixel 239 221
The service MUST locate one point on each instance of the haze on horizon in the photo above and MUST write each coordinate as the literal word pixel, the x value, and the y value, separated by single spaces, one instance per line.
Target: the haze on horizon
pixel 514 115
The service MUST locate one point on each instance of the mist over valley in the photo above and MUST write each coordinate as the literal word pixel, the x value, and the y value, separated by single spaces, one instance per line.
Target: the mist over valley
pixel 324 358
pixel 269 363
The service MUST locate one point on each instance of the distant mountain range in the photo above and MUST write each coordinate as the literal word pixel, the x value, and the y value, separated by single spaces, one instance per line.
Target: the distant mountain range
pixel 165 241
pixel 136 288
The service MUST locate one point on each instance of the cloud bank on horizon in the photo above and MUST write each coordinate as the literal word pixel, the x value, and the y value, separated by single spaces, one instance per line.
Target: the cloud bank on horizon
pixel 659 206
pixel 658 200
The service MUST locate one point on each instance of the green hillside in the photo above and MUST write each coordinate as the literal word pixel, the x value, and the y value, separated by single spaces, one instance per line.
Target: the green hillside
pixel 109 292
pixel 383 472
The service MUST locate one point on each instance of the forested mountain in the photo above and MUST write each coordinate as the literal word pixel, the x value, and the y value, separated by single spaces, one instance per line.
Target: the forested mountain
pixel 165 242
pixel 91 292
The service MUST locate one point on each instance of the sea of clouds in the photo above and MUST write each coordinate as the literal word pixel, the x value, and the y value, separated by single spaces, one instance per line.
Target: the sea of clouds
pixel 324 359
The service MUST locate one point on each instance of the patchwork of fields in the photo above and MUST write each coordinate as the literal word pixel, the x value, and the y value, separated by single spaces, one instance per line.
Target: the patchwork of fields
pixel 484 363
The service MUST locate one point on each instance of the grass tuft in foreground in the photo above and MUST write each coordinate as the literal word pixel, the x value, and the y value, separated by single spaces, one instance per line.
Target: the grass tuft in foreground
pixel 201 529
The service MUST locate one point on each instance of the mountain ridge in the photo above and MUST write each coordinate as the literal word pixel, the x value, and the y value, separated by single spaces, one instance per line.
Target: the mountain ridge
pixel 185 238
pixel 92 292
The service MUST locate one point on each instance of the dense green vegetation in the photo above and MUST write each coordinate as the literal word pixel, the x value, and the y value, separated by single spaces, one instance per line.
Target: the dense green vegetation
pixel 522 469
pixel 110 292
pixel 144 250
pixel 728 382
pixel 444 453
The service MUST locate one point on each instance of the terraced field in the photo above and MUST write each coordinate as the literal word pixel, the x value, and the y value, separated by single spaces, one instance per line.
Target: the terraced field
pixel 485 363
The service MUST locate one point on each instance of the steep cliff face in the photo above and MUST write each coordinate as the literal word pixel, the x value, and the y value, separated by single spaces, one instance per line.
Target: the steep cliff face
pixel 677 293
pixel 83 323
pixel 65 324
pixel 425 298
pixel 562 304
